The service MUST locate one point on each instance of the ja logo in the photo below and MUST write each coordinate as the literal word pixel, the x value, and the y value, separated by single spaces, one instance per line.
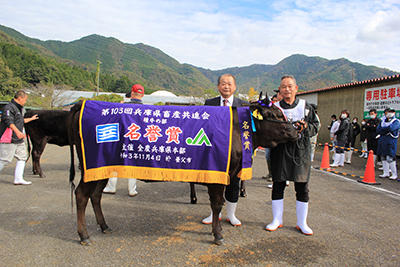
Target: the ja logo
pixel 200 139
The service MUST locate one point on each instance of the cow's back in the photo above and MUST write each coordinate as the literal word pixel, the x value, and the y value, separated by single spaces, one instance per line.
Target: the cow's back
pixel 51 125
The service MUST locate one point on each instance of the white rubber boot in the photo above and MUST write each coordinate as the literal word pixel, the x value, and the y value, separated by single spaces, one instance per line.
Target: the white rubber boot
pixel 208 220
pixel 19 174
pixel 336 160
pixel 347 155
pixel 132 187
pixel 341 162
pixel 393 169
pixel 385 168
pixel 277 214
pixel 230 213
pixel 111 186
pixel 302 211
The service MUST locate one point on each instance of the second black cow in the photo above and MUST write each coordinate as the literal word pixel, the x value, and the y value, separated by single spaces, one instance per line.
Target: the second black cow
pixel 49 128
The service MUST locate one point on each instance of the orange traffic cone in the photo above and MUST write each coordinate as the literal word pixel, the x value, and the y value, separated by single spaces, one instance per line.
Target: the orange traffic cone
pixel 325 158
pixel 369 175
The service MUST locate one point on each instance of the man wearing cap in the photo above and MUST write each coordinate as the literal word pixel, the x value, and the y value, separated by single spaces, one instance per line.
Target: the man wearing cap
pixel 135 95
pixel 388 130
pixel 226 88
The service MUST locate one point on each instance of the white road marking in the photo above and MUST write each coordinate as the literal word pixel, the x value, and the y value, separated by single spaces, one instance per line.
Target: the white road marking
pixel 371 187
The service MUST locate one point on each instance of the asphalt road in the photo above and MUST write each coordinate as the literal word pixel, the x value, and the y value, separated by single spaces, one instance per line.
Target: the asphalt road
pixel 354 224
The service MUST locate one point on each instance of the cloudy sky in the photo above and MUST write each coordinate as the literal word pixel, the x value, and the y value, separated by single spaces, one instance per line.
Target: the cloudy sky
pixel 218 34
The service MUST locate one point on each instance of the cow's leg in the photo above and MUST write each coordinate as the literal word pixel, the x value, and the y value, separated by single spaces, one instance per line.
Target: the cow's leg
pixel 243 189
pixel 95 198
pixel 82 194
pixel 37 151
pixel 216 193
pixel 193 197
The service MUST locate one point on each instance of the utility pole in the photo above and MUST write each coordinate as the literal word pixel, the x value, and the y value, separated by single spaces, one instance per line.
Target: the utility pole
pixel 98 77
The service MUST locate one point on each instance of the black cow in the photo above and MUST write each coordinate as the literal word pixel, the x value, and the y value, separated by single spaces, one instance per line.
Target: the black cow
pixel 270 130
pixel 49 128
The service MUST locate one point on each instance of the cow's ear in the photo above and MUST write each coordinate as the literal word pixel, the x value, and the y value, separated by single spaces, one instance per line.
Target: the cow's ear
pixel 266 99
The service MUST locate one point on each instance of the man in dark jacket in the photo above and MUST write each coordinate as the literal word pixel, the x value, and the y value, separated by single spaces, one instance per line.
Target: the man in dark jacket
pixel 372 124
pixel 363 139
pixel 292 161
pixel 13 118
pixel 342 135
pixel 354 131
pixel 135 94
pixel 226 88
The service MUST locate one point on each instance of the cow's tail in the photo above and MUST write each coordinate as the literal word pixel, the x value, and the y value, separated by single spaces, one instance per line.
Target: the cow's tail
pixel 28 140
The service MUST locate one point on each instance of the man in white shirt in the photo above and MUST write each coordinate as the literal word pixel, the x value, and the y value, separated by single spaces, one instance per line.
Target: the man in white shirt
pixel 226 88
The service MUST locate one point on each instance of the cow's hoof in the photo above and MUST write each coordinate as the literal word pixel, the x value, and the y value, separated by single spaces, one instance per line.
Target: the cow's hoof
pixel 243 193
pixel 42 176
pixel 219 241
pixel 193 200
pixel 107 231
pixel 86 242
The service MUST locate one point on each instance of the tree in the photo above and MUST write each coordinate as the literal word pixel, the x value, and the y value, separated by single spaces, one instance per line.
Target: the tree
pixel 252 94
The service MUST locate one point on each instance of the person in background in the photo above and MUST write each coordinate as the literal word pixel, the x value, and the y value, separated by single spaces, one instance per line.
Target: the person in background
pixel 291 161
pixel 388 130
pixel 313 139
pixel 275 98
pixel 135 94
pixel 333 119
pixel 332 129
pixel 227 87
pixel 363 139
pixel 372 124
pixel 341 139
pixel 354 131
pixel 13 118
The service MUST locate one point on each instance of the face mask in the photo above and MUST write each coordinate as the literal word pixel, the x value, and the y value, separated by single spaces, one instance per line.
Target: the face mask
pixel 343 116
pixel 363 123
pixel 354 121
pixel 373 116
pixel 389 115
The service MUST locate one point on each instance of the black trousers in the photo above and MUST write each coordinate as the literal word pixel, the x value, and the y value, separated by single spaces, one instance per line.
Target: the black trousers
pixel 278 189
pixel 232 190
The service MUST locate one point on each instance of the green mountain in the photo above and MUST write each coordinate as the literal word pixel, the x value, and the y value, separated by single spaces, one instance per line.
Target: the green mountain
pixel 28 61
pixel 310 73
pixel 139 63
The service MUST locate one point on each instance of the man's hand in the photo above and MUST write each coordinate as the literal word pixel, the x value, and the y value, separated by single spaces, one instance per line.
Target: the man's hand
pixel 34 117
pixel 301 125
pixel 20 135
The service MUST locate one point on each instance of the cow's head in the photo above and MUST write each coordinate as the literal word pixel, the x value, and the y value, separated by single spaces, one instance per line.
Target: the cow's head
pixel 271 124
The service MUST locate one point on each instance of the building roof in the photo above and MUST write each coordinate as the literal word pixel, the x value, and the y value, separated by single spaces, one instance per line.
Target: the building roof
pixel 163 93
pixel 353 84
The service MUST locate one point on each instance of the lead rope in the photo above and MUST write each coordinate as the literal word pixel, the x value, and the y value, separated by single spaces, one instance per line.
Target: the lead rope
pixel 297 160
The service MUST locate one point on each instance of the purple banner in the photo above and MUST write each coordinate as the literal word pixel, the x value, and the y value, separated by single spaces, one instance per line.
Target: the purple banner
pixel 194 138
pixel 246 134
